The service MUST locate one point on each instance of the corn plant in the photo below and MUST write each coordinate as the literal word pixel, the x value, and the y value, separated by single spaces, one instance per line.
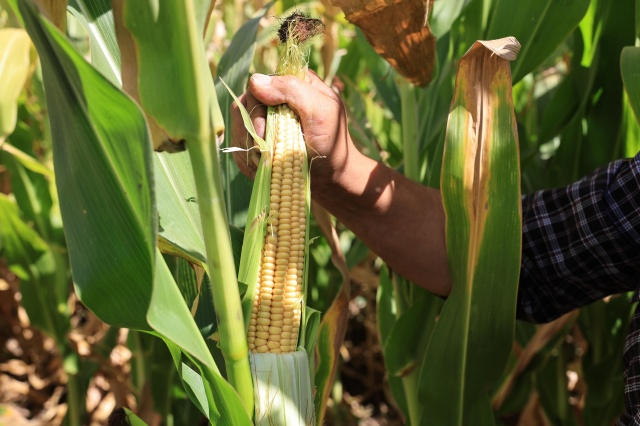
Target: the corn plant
pixel 149 85
pixel 275 252
pixel 145 301
pixel 127 186
pixel 542 115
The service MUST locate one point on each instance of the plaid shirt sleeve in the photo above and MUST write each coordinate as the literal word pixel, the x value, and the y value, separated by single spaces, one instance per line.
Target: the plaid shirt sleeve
pixel 581 243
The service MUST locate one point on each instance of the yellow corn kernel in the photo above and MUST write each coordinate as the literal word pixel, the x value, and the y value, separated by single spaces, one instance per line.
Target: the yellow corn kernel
pixel 276 308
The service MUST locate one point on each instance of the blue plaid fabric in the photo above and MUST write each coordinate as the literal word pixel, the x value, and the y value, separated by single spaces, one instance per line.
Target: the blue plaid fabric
pixel 580 244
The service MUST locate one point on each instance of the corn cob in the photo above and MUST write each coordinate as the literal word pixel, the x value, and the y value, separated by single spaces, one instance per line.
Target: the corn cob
pixel 275 317
pixel 274 301
pixel 278 296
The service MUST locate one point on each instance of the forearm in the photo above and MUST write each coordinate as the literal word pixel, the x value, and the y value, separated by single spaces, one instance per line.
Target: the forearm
pixel 401 221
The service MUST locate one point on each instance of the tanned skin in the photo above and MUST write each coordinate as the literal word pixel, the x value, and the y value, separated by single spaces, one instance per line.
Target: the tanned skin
pixel 401 221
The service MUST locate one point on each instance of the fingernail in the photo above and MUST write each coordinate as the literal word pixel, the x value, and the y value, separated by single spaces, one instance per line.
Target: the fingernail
pixel 261 79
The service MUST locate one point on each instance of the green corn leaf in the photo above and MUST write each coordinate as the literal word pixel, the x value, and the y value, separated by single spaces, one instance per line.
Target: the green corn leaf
pixel 32 193
pixel 32 252
pixel 26 160
pixel 382 74
pixel 173 320
pixel 605 325
pixel 630 129
pixel 102 158
pixel 211 394
pixel 552 387
pixel 443 14
pixel 533 21
pixel 233 70
pixel 179 222
pixel 39 267
pixel 149 34
pixel 591 28
pixel 567 102
pixel 97 17
pixel 407 340
pixel 154 34
pixel 481 193
pixel 133 419
pixel 630 69
pixel 192 382
pixel 604 114
pixel 386 316
pixel 333 326
pixel 180 227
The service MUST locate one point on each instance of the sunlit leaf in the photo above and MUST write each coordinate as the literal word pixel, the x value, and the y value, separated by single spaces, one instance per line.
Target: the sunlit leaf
pixel 26 160
pixel 481 194
pixel 133 419
pixel 213 396
pixel 147 36
pixel 97 17
pixel 540 26
pixel 179 218
pixel 233 70
pixel 14 70
pixel 630 69
pixel 102 159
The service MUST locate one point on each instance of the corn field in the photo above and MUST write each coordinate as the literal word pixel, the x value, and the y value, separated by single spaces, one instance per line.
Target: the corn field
pixel 145 280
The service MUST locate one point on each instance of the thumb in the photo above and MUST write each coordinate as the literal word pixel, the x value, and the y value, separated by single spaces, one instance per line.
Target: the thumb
pixel 301 96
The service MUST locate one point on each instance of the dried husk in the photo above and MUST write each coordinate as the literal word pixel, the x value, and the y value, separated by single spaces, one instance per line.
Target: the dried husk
pixel 396 30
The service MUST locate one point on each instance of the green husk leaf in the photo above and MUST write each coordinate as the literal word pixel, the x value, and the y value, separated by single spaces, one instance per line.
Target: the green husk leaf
pixel 246 120
pixel 282 387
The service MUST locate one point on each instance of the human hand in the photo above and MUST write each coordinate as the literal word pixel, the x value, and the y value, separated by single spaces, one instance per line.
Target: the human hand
pixel 322 117
pixel 371 199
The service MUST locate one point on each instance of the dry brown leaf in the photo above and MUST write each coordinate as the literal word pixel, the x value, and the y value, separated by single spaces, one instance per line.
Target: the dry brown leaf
pixel 507 48
pixel 55 11
pixel 544 334
pixel 395 30
pixel 13 415
pixel 12 390
pixel 15 367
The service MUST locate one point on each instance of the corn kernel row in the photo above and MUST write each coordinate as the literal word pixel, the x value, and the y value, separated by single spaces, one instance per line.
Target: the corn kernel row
pixel 276 313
